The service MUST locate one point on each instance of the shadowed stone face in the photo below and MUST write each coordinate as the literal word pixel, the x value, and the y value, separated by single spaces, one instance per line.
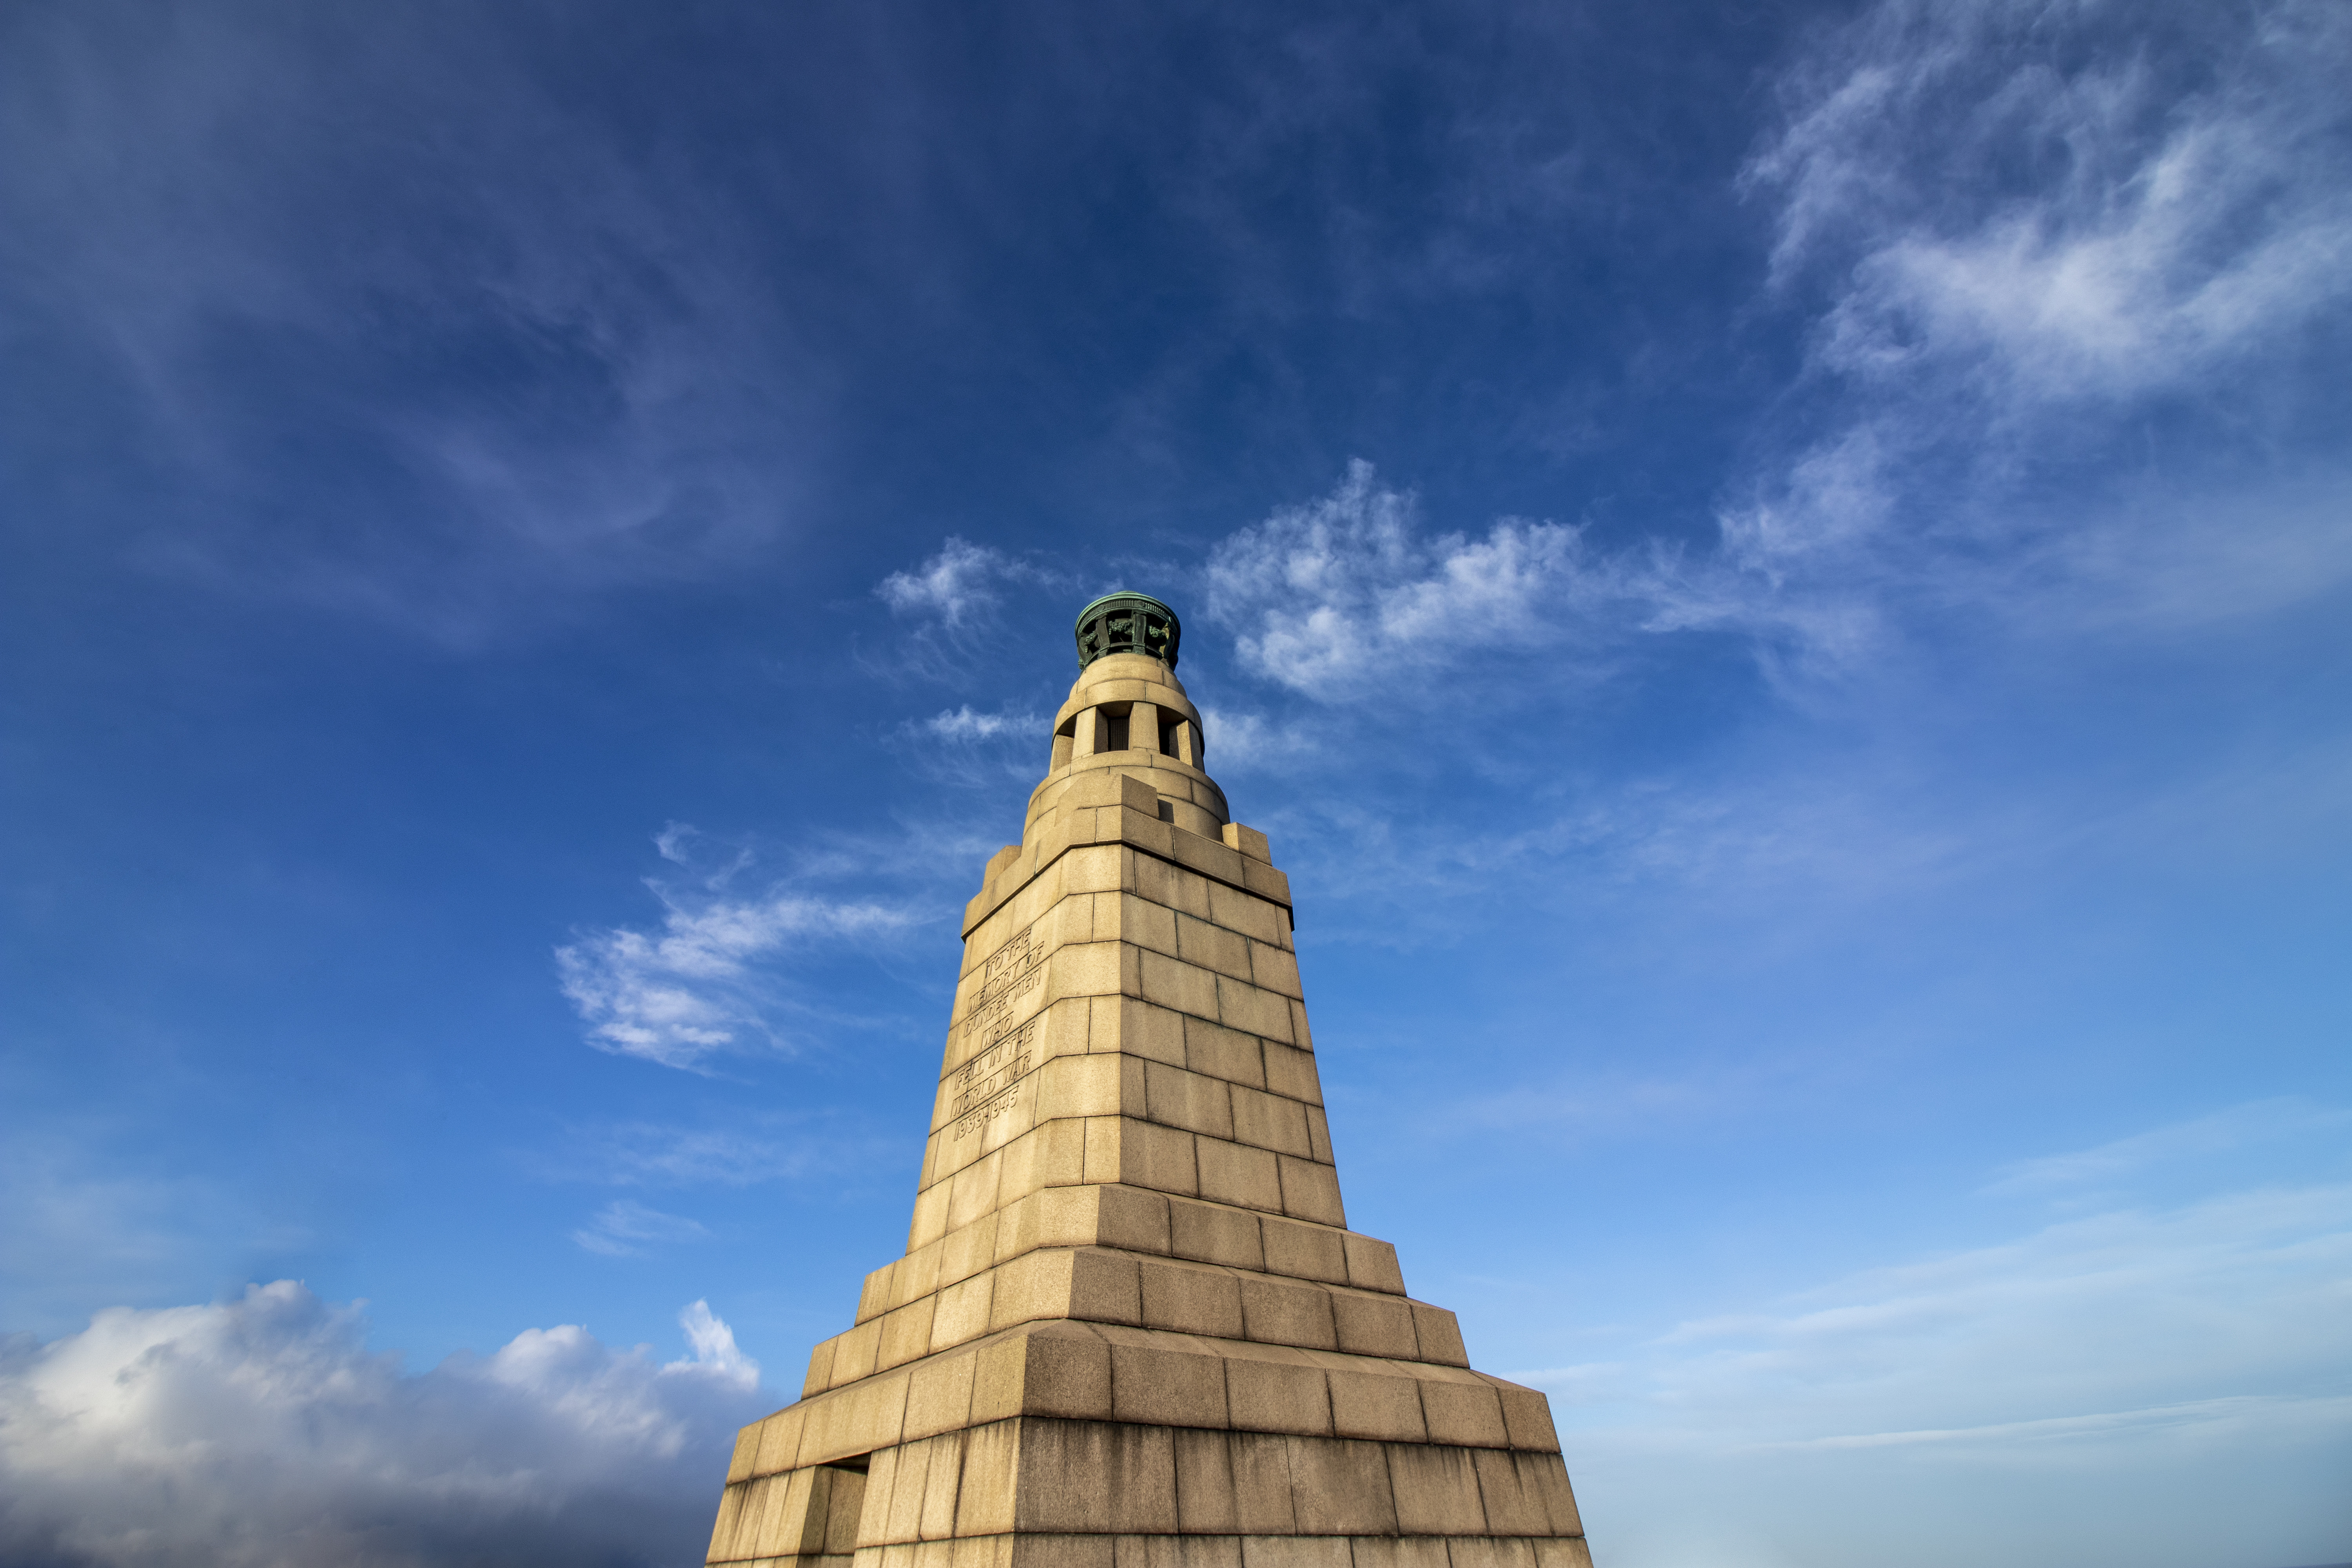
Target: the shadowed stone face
pixel 1131 1321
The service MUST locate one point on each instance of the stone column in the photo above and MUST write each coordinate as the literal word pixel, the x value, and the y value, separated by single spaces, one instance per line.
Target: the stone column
pixel 1131 1328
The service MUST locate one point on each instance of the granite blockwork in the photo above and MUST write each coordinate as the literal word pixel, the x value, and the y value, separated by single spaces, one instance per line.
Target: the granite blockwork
pixel 1131 1328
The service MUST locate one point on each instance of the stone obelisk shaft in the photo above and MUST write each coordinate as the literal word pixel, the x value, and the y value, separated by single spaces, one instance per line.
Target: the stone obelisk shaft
pixel 1131 1325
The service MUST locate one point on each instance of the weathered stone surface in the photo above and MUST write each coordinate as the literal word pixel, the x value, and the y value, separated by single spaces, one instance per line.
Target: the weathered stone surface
pixel 1131 1329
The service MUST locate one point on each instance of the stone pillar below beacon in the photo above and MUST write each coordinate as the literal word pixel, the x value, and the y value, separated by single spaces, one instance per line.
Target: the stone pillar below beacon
pixel 1131 1328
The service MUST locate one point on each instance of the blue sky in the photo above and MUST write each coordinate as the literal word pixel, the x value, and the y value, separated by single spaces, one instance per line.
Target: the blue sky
pixel 1776 576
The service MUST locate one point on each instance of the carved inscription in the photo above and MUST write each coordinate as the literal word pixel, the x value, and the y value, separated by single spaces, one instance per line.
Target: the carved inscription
pixel 1011 973
pixel 989 1086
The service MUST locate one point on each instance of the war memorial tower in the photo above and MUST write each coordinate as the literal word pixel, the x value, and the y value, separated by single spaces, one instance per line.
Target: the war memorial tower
pixel 1131 1328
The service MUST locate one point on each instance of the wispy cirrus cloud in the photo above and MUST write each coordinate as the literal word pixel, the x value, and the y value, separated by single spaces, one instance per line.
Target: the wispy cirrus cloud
pixel 626 1228
pixel 2026 236
pixel 263 1430
pixel 709 979
pixel 2122 1354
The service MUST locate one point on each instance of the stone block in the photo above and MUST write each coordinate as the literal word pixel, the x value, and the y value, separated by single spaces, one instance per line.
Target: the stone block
pixel 931 1221
pixel 1237 910
pixel 780 1441
pixel 1248 841
pixel 1269 1395
pixel 1277 1311
pixel 1565 1551
pixel 1274 968
pixel 1052 1156
pixel 971 1192
pixel 1304 1251
pixel 964 1310
pixel 1513 1506
pixel 1436 1490
pixel 1218 1052
pixel 1318 1137
pixel 971 1251
pixel 1211 946
pixel 1300 1034
pixel 1090 969
pixel 1491 1552
pixel 1399 1551
pixel 1290 1071
pixel 1208 858
pixel 1146 923
pixel 906 1334
pixel 723 1531
pixel 1438 1335
pixel 854 1352
pixel 1546 1476
pixel 1167 1386
pixel 1060 1552
pixel 1097 869
pixel 1372 1265
pixel 1204 1484
pixel 1341 1488
pixel 1144 830
pixel 985 1499
pixel 1375 1405
pixel 1177 1552
pixel 1138 1028
pixel 939 1396
pixel 1373 1325
pixel 902 1518
pixel 1095 1477
pixel 1188 1100
pixel 1310 1191
pixel 1212 1233
pixel 1242 1006
pixel 1261 1472
pixel 820 1370
pixel 1186 988
pixel 1134 1218
pixel 1266 882
pixel 1294 1552
pixel 1527 1418
pixel 1237 1175
pixel 1269 1122
pixel 941 1486
pixel 1081 1086
pixel 1190 1299
pixel 743 1463
pixel 875 1298
pixel 1464 1413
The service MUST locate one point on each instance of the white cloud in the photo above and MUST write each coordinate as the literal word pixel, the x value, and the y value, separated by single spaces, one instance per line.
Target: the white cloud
pixel 2039 1398
pixel 624 1228
pixel 955 585
pixel 262 1433
pixel 705 983
pixel 2263 1122
pixel 2178 221
pixel 2039 234
pixel 1345 594
pixel 962 726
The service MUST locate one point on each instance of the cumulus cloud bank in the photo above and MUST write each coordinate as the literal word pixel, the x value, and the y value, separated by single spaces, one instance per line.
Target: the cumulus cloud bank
pixel 262 1433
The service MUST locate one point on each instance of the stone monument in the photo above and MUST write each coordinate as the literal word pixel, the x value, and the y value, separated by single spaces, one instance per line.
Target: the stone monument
pixel 1131 1328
